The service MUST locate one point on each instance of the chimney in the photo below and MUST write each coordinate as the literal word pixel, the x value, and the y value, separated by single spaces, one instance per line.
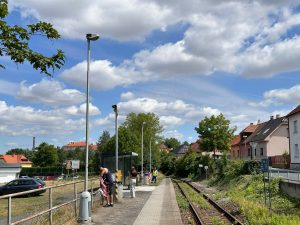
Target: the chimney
pixel 271 117
pixel 277 116
pixel 251 123
pixel 258 121
pixel 33 143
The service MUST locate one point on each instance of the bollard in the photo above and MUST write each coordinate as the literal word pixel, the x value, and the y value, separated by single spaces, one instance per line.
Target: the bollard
pixel 85 213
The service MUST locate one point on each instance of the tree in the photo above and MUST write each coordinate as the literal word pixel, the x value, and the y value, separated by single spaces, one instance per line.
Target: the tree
pixel 172 143
pixel 45 156
pixel 103 140
pixel 14 43
pixel 130 135
pixel 215 133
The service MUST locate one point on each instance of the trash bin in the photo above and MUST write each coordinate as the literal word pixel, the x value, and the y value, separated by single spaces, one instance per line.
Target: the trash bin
pixel 85 212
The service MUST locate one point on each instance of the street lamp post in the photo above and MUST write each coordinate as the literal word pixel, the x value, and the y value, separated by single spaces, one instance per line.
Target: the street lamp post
pixel 142 169
pixel 85 198
pixel 150 156
pixel 115 108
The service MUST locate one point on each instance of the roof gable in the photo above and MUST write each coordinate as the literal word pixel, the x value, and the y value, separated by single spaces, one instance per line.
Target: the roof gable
pixel 294 111
pixel 267 128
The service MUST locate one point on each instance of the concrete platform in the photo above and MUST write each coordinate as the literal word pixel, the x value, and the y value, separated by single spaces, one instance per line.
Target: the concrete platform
pixel 161 208
pixel 152 205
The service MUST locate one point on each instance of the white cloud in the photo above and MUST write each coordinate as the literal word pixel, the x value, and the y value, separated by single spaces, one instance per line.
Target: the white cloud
pixel 49 92
pixel 127 95
pixel 173 133
pixel 103 75
pixel 279 96
pixel 122 20
pixel 170 121
pixel 20 120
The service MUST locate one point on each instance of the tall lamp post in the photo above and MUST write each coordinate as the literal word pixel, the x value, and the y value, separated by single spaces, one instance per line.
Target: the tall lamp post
pixel 115 108
pixel 142 169
pixel 150 156
pixel 85 198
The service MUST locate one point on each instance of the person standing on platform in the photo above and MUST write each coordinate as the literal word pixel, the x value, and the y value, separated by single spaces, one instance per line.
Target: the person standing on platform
pixel 132 176
pixel 108 181
pixel 154 175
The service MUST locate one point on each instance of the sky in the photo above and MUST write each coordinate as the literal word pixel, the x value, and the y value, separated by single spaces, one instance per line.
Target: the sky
pixel 182 60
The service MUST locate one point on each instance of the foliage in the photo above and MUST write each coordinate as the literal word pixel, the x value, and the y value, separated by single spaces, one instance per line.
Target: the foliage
pixel 172 143
pixel 14 42
pixel 46 155
pixel 130 138
pixel 215 133
pixel 167 165
pixel 187 164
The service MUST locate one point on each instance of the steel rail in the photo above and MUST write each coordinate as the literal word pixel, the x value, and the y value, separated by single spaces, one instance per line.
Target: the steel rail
pixel 228 215
pixel 191 205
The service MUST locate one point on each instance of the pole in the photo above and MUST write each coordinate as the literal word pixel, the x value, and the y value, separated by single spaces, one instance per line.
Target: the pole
pixel 142 164
pixel 117 142
pixel 150 157
pixel 85 197
pixel 87 119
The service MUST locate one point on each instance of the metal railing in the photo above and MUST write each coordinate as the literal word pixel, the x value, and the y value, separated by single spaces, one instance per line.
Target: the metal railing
pixel 285 174
pixel 51 208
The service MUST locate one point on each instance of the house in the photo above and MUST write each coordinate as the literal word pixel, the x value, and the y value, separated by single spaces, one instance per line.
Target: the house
pixel 196 147
pixel 235 147
pixel 244 144
pixel 181 150
pixel 78 145
pixel 164 148
pixel 17 159
pixel 294 137
pixel 270 139
pixel 9 171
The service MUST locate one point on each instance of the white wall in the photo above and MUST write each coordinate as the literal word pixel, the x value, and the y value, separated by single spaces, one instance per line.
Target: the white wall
pixel 294 137
pixel 279 142
pixel 9 174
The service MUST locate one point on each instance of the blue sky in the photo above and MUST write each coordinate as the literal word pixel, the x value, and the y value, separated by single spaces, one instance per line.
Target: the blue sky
pixel 182 60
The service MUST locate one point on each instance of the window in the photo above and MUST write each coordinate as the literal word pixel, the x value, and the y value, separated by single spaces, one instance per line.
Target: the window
pixel 295 127
pixel 261 151
pixel 249 152
pixel 296 151
pixel 255 152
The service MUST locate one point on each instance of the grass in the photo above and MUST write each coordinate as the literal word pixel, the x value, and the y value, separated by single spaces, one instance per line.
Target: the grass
pixel 26 206
pixel 248 193
pixel 195 197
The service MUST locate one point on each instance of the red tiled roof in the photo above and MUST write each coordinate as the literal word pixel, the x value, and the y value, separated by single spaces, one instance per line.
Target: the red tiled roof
pixel 80 144
pixel 294 111
pixel 251 128
pixel 236 140
pixel 195 147
pixel 21 159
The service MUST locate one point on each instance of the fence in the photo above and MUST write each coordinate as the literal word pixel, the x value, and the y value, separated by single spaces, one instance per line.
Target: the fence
pixel 51 207
pixel 288 175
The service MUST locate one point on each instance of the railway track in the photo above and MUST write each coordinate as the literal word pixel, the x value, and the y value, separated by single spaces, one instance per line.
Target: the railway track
pixel 212 214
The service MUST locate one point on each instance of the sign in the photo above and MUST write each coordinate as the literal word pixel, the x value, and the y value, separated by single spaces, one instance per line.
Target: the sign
pixel 205 167
pixel 75 164
pixel 264 165
pixel 200 165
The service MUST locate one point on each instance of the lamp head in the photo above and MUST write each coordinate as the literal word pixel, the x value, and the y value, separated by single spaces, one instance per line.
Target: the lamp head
pixel 115 108
pixel 92 37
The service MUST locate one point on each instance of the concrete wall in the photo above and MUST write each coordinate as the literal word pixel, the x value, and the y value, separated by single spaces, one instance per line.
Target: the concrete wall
pixel 291 188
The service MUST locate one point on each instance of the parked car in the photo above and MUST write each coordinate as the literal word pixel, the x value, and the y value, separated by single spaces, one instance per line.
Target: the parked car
pixel 22 184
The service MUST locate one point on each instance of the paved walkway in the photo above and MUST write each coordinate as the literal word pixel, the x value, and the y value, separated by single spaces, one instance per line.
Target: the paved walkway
pixel 152 206
pixel 161 208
